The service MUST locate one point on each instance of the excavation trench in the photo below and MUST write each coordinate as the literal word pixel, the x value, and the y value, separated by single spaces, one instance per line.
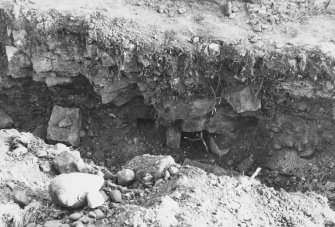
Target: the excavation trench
pixel 235 106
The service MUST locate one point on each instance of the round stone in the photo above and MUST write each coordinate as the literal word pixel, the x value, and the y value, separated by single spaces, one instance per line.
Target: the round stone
pixel 125 177
pixel 115 196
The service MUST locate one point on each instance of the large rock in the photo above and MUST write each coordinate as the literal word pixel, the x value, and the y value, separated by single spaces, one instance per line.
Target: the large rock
pixel 153 165
pixel 243 100
pixel 64 125
pixel 68 161
pixel 5 120
pixel 70 190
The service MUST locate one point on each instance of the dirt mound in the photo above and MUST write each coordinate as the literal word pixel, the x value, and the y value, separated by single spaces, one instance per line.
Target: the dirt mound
pixel 189 197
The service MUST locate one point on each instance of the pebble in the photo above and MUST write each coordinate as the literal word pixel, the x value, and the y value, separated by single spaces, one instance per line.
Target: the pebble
pixel 95 199
pixel 45 166
pixel 77 224
pixel 75 216
pixel 10 185
pixel 99 214
pixel 31 225
pixel 115 196
pixel 53 223
pixel 276 146
pixel 21 150
pixel 167 175
pixel 181 11
pixel 21 198
pixel 125 177
pixel 331 165
pixel 195 40
pixel 92 214
pixel 85 219
pixel 41 153
pixel 173 170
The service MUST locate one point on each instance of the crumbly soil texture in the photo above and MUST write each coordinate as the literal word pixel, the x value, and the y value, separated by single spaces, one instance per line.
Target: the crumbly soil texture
pixel 223 86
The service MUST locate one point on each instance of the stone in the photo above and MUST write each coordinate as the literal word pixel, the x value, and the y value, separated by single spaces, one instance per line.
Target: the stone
pixel 95 199
pixel 106 59
pixel 173 138
pixel 117 92
pixel 40 153
pixel 243 100
pixel 154 165
pixel 115 196
pixel 167 175
pixel 85 219
pixel 309 151
pixel 19 150
pixel 173 170
pixel 68 161
pixel 228 8
pixel 331 6
pixel 103 193
pixel 77 224
pixel 53 223
pixel 21 198
pixel 5 120
pixel 45 166
pixel 125 177
pixel 19 65
pixel 99 214
pixel 92 214
pixel 10 185
pixel 75 216
pixel 70 190
pixel 69 133
pixel 330 186
pixel 214 49
pixel 214 148
pixel 30 225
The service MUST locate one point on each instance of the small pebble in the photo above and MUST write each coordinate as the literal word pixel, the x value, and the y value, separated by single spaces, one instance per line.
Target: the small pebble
pixel 10 185
pixel 31 225
pixel 173 170
pixel 167 175
pixel 92 214
pixel 77 224
pixel 75 216
pixel 21 198
pixel 99 214
pixel 41 153
pixel 115 196
pixel 45 166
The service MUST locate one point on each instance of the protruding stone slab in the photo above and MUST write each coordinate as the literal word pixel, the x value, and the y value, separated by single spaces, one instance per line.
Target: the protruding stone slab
pixel 64 125
pixel 243 100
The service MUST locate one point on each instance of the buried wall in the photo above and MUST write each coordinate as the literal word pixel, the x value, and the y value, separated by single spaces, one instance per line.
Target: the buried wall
pixel 247 99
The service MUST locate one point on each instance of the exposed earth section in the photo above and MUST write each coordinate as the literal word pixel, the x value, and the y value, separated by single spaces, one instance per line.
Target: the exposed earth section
pixel 224 86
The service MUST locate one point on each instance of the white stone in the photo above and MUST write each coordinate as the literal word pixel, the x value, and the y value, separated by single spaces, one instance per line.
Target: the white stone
pixel 95 199
pixel 70 190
